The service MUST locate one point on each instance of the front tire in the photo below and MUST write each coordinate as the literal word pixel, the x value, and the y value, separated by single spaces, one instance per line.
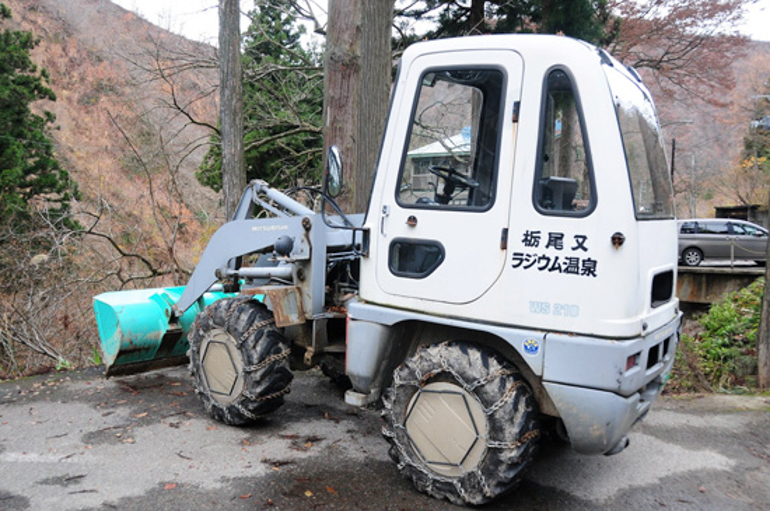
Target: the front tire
pixel 239 361
pixel 461 421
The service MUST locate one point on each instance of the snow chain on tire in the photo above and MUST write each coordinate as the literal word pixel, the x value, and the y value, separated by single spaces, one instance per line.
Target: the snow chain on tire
pixel 260 356
pixel 501 393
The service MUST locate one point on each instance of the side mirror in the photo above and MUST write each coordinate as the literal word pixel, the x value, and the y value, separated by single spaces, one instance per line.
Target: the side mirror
pixel 333 177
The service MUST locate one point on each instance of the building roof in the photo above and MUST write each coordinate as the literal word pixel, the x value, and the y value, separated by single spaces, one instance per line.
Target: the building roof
pixel 459 144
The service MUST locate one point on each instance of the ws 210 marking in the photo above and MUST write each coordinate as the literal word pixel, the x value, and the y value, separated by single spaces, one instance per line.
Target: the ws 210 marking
pixel 555 309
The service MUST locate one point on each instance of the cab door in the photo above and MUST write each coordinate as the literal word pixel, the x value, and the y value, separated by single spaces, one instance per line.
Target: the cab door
pixel 445 205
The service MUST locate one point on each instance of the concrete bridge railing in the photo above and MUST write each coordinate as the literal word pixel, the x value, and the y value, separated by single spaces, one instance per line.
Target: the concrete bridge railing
pixel 704 285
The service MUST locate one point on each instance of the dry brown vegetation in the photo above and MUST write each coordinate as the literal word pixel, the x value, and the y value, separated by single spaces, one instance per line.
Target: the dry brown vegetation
pixel 133 155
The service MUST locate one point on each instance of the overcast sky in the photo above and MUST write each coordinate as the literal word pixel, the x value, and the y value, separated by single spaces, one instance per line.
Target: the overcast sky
pixel 197 19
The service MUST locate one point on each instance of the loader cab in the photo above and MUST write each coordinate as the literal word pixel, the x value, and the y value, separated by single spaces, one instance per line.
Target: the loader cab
pixel 517 184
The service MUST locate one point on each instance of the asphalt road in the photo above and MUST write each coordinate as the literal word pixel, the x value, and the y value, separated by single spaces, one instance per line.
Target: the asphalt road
pixel 78 441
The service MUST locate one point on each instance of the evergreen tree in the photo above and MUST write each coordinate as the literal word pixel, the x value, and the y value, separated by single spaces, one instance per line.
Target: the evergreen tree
pixel 583 19
pixel 283 98
pixel 30 175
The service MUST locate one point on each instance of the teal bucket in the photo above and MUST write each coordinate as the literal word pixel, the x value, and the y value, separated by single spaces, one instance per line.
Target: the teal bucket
pixel 136 330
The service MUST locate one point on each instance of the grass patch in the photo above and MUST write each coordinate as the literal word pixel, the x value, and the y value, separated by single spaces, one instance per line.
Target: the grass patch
pixel 718 353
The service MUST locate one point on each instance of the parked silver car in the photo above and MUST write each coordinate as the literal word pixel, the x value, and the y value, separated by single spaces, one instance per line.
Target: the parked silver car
pixel 720 238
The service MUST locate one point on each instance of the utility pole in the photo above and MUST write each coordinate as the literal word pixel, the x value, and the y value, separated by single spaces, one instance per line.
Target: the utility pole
pixel 693 188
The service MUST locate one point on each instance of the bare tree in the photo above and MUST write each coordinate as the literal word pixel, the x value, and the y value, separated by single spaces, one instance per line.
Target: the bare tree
pixel 41 307
pixel 687 44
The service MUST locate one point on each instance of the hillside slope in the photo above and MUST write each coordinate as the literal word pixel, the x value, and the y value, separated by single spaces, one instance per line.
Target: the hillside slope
pixel 133 156
pixel 709 137
pixel 101 59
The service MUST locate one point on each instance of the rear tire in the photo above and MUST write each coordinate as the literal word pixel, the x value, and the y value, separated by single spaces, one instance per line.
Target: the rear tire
pixel 239 361
pixel 461 421
pixel 692 257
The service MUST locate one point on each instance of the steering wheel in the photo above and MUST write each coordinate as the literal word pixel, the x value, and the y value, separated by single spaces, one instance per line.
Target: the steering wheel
pixel 450 175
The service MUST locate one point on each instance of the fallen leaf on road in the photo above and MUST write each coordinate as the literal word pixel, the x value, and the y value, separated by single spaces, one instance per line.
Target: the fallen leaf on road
pixel 330 489
pixel 170 486
pixel 276 463
pixel 211 428
pixel 247 496
pixel 140 415
pixel 308 493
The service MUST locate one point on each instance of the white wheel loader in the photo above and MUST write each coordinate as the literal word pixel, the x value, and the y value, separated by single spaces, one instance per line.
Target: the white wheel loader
pixel 516 268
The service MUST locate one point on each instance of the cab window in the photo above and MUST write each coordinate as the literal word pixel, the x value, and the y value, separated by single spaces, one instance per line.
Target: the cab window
pixel 452 147
pixel 564 179
pixel 643 145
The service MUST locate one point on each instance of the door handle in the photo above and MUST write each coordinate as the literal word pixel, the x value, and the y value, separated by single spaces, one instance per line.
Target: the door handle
pixel 383 215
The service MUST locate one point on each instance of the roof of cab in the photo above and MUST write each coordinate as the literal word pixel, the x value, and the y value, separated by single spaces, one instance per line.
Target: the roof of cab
pixel 523 43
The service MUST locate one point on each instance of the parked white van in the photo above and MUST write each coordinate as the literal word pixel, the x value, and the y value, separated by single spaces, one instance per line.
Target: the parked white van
pixel 721 238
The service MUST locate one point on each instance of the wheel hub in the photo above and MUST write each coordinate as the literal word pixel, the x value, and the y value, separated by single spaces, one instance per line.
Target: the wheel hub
pixel 222 366
pixel 447 427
